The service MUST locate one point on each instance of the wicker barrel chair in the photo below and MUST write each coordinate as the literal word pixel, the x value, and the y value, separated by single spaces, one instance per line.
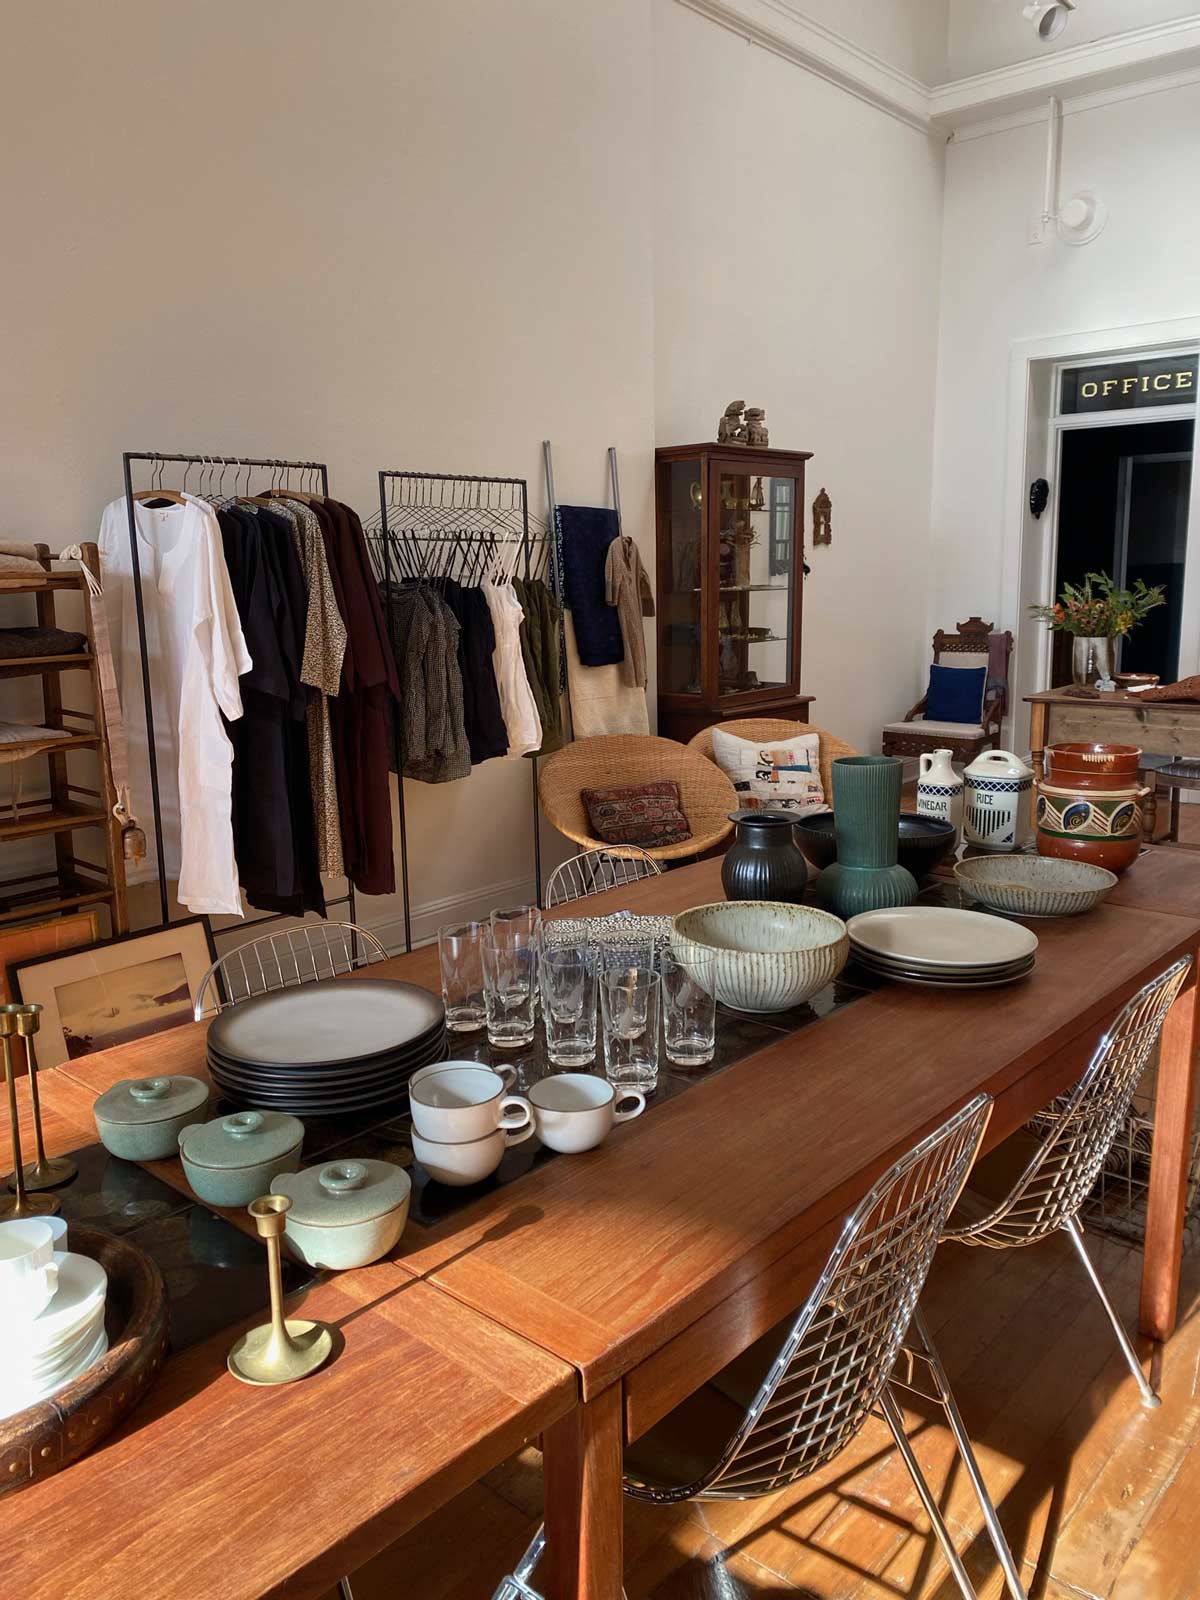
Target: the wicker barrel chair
pixel 705 793
pixel 767 728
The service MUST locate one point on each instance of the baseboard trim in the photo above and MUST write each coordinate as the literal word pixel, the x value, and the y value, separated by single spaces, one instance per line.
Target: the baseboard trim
pixel 427 918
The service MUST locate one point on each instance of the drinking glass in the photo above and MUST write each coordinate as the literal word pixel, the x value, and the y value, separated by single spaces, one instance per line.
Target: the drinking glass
pixel 630 1000
pixel 460 951
pixel 510 920
pixel 614 950
pixel 689 1008
pixel 568 981
pixel 510 966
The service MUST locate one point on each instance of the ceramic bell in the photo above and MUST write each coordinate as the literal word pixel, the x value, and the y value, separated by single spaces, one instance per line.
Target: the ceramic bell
pixel 996 790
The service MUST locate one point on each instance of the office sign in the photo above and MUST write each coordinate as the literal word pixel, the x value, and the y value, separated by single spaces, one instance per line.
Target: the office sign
pixel 1130 385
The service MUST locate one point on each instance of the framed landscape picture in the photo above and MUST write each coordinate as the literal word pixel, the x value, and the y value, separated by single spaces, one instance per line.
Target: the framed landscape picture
pixel 22 944
pixel 121 989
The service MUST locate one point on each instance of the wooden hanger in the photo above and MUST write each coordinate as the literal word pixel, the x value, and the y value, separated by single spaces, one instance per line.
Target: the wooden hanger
pixel 161 494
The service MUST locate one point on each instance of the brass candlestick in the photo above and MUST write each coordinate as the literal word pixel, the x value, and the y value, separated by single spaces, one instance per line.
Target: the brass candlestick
pixel 279 1351
pixel 47 1171
pixel 22 1204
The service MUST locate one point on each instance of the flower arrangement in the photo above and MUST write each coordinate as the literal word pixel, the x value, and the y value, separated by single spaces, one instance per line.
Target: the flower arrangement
pixel 1097 609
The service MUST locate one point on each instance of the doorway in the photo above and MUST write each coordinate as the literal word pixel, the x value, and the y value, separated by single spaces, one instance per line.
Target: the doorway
pixel 1123 510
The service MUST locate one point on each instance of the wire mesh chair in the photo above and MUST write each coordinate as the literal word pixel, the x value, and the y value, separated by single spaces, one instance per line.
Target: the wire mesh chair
pixel 1075 1133
pixel 828 1369
pixel 285 960
pixel 593 871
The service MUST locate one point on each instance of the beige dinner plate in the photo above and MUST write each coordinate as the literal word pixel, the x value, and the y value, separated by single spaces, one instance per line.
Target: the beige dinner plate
pixel 897 964
pixel 948 980
pixel 938 938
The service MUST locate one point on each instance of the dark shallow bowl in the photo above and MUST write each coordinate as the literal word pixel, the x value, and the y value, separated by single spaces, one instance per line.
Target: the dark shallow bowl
pixel 817 839
pixel 924 841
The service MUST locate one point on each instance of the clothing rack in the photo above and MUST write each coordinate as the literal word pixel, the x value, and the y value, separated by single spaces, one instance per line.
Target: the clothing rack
pixel 315 473
pixel 472 516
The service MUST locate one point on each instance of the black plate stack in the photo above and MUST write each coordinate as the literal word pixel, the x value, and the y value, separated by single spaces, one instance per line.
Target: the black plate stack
pixel 323 1049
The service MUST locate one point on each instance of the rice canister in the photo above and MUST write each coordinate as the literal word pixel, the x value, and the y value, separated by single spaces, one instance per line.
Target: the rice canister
pixel 996 790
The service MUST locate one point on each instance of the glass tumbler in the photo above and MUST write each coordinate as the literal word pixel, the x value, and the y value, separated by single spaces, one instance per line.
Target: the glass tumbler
pixel 510 968
pixel 568 984
pixel 689 1008
pixel 630 999
pixel 460 952
pixel 518 922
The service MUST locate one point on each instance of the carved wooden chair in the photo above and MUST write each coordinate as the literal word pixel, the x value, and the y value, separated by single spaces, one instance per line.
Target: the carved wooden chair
pixel 965 647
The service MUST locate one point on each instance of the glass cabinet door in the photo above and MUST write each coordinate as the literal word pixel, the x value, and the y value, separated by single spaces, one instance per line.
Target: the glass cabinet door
pixel 757 550
pixel 681 501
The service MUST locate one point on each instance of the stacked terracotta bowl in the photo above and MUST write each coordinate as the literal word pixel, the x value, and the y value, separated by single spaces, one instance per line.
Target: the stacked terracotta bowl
pixel 1089 805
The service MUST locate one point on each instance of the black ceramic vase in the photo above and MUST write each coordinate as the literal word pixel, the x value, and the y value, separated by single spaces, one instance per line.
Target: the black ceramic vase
pixel 764 861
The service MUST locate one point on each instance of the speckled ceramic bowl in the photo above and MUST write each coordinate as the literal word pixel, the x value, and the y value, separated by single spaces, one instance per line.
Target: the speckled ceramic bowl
pixel 769 955
pixel 234 1159
pixel 345 1213
pixel 140 1119
pixel 1034 886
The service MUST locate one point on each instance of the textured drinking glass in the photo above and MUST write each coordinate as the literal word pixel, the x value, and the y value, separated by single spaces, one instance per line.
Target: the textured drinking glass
pixel 460 951
pixel 689 1008
pixel 510 966
pixel 568 982
pixel 614 950
pixel 525 920
pixel 630 1003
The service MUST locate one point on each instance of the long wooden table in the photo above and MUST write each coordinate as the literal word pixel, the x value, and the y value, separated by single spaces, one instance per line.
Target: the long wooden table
pixel 648 1264
pixel 212 1488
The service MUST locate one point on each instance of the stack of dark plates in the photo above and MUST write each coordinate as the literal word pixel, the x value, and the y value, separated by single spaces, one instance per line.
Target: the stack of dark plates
pixel 344 1045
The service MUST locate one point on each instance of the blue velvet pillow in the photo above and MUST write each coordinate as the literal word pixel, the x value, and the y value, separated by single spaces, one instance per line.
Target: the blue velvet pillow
pixel 955 694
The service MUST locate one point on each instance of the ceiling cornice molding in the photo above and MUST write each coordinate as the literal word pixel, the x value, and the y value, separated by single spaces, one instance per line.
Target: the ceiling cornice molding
pixel 778 26
pixel 1035 114
pixel 1140 54
pixel 1144 60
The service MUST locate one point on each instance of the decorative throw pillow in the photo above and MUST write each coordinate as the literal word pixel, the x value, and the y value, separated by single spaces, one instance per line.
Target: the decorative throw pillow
pixel 648 814
pixel 955 695
pixel 772 774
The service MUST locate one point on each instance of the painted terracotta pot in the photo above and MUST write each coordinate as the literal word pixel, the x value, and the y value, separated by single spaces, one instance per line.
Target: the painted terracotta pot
pixel 1092 766
pixel 1103 827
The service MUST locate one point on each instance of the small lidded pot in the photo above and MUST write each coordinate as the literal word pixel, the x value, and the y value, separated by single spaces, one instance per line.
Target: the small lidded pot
pixel 346 1213
pixel 236 1159
pixel 140 1119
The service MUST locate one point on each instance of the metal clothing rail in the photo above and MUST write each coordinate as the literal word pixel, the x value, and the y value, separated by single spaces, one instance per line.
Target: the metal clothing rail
pixel 476 513
pixel 281 475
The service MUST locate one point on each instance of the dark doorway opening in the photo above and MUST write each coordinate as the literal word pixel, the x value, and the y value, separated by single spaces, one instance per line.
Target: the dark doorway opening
pixel 1123 509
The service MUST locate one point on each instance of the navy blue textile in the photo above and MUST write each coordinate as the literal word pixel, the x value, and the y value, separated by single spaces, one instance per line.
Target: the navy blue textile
pixel 955 694
pixel 585 533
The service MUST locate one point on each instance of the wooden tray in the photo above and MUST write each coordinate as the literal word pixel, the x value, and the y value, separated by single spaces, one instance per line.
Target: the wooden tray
pixel 42 1440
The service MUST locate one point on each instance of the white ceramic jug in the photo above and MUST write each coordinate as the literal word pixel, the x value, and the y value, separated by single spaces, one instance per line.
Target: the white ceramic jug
pixel 997 786
pixel 940 789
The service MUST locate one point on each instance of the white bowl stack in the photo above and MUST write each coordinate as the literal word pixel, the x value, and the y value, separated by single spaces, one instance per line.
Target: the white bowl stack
pixel 44 1345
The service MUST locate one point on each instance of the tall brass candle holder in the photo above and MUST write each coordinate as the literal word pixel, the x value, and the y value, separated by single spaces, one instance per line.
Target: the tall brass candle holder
pixel 279 1351
pixel 22 1203
pixel 47 1171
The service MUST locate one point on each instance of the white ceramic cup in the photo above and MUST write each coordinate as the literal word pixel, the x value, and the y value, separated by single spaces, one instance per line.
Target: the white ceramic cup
pixel 465 1103
pixel 503 1070
pixel 575 1111
pixel 468 1161
pixel 28 1270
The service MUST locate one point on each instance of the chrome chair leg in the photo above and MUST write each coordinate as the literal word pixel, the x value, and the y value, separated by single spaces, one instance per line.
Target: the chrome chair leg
pixel 895 1422
pixel 1149 1398
pixel 345 1592
pixel 995 1532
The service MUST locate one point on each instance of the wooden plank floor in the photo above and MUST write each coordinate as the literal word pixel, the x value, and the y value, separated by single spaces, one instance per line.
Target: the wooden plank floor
pixel 1096 1494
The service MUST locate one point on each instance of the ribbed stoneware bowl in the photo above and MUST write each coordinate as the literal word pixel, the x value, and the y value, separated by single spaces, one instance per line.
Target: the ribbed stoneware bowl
pixel 769 955
pixel 1034 886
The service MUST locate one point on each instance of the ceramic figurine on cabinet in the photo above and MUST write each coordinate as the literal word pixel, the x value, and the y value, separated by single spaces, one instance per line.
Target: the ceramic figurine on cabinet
pixel 730 429
pixel 755 432
pixel 822 519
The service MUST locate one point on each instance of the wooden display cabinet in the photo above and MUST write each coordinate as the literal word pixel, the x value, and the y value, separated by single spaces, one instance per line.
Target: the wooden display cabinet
pixel 730 584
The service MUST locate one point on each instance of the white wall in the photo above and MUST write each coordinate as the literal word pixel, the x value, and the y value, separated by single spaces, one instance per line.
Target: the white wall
pixel 380 235
pixel 909 34
pixel 1142 155
pixel 796 267
pixel 984 34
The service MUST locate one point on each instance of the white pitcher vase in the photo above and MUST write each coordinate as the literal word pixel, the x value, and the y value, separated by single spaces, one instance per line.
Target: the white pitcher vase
pixel 940 789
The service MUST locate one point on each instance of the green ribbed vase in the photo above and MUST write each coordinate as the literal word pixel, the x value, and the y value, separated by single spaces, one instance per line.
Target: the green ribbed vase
pixel 866 811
